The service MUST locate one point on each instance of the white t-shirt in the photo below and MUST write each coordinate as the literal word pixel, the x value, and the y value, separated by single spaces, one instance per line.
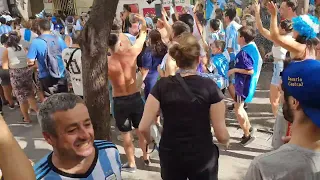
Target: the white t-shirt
pixel 25 43
pixel 75 69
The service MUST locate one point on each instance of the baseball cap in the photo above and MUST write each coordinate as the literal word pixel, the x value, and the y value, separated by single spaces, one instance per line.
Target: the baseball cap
pixel 301 80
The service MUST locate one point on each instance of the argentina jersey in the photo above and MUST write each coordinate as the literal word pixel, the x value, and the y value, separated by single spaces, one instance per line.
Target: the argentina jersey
pixel 106 166
pixel 231 35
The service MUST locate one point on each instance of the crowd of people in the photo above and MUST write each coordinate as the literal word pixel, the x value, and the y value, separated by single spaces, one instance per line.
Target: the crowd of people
pixel 168 74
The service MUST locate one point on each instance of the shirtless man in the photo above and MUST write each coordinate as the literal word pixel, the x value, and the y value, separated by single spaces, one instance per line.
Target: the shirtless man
pixel 128 104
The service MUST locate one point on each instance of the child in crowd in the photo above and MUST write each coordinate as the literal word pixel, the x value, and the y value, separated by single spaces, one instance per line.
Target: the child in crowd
pixel 216 28
pixel 247 71
pixel 220 61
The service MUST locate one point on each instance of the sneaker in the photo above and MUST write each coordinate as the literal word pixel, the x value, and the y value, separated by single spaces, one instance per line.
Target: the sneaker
pixel 247 140
pixel 12 107
pixel 230 108
pixel 146 162
pixel 252 131
pixel 127 168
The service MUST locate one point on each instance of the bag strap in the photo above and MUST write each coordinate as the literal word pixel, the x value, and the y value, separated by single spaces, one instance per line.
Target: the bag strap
pixel 186 88
pixel 70 59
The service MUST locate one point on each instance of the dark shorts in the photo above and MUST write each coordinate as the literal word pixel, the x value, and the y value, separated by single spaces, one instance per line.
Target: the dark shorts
pixel 128 111
pixel 5 77
pixel 50 85
pixel 239 99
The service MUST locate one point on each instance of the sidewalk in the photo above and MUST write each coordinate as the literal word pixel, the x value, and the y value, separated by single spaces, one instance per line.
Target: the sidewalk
pixel 233 163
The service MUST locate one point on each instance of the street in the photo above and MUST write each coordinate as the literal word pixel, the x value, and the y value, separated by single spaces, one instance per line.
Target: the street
pixel 233 163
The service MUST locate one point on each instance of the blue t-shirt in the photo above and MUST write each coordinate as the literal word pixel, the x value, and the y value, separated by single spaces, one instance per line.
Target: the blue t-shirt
pixel 221 64
pixel 242 81
pixel 151 62
pixel 106 165
pixel 38 50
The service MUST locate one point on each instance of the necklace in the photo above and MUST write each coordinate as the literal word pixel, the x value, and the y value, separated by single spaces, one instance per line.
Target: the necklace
pixel 187 71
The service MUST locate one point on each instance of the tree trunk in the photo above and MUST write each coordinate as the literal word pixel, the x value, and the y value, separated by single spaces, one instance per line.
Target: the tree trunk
pixel 95 67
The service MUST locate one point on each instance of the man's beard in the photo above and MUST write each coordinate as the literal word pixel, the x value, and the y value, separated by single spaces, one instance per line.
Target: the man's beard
pixel 287 113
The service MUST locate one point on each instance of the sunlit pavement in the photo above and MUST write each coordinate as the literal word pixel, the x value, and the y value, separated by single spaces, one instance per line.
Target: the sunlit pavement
pixel 233 163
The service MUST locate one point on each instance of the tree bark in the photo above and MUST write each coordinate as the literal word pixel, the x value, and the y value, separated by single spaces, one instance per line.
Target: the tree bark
pixel 95 67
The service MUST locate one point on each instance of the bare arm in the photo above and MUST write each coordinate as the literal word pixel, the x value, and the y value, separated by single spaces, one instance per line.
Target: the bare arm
pixel 150 113
pixel 243 71
pixel 166 24
pixel 286 42
pixel 217 115
pixel 171 67
pixel 144 73
pixel 14 164
pixel 5 60
pixel 138 46
pixel 264 32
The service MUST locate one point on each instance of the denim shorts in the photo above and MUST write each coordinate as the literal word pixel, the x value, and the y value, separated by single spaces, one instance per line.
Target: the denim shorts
pixel 277 69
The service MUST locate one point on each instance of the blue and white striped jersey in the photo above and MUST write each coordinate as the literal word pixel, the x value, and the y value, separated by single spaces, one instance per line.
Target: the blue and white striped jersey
pixel 106 166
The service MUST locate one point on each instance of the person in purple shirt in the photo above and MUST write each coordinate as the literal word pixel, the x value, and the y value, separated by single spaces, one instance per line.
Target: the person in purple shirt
pixel 243 72
pixel 151 59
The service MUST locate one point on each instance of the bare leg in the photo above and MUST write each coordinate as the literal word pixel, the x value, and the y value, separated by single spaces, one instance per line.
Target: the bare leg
pixel 242 118
pixel 24 107
pixel 232 91
pixel 8 94
pixel 2 94
pixel 274 98
pixel 143 145
pixel 33 103
pixel 128 148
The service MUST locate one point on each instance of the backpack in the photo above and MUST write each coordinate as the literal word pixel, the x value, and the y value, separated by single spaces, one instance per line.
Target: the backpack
pixel 52 53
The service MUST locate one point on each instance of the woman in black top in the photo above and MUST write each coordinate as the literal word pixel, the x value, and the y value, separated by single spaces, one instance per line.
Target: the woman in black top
pixel 186 148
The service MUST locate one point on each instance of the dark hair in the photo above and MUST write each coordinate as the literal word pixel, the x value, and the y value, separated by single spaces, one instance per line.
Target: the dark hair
pixel 186 51
pixel 220 44
pixel 250 20
pixel 180 27
pixel 127 7
pixel 219 14
pixel 11 40
pixel 3 20
pixel 248 33
pixel 112 41
pixel 293 4
pixel 231 13
pixel 157 45
pixel 76 38
pixel 286 25
pixel 215 24
pixel 188 19
pixel 44 24
pixel 174 18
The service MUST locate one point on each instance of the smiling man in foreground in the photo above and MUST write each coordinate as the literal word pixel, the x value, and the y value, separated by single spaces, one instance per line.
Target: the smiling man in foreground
pixel 66 126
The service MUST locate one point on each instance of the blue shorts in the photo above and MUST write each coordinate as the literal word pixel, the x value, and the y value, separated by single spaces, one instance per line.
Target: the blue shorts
pixel 277 69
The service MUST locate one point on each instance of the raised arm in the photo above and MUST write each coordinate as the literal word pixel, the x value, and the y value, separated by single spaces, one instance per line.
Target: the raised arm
pixel 286 42
pixel 14 164
pixel 138 46
pixel 264 32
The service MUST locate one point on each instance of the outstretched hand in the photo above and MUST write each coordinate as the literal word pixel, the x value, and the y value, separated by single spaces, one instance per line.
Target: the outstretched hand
pixel 272 8
pixel 256 7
